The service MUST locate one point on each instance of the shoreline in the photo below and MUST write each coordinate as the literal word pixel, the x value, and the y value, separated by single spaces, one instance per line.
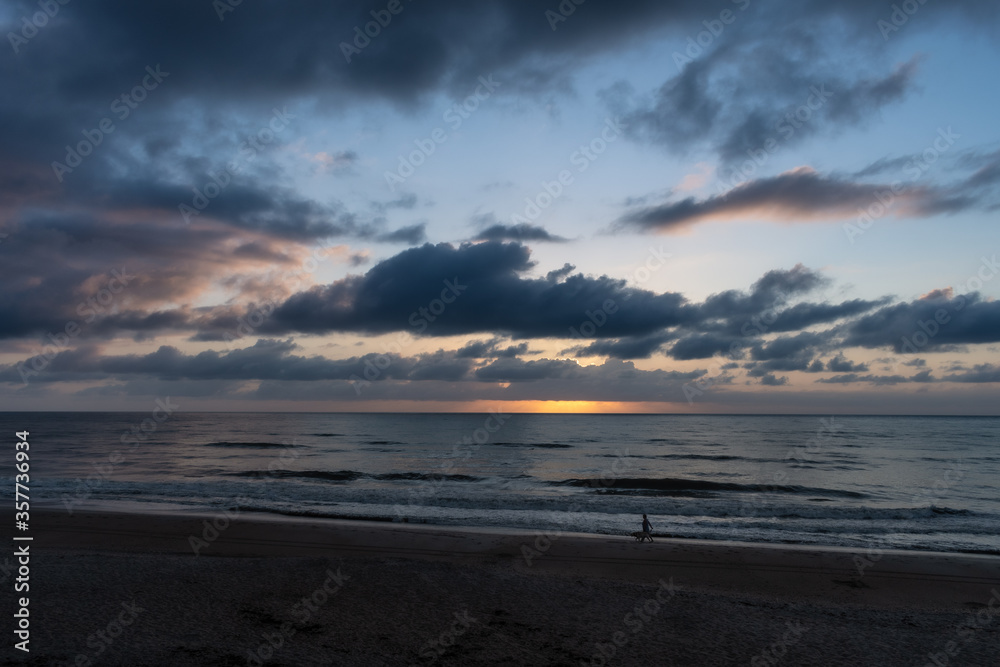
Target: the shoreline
pixel 184 510
pixel 873 576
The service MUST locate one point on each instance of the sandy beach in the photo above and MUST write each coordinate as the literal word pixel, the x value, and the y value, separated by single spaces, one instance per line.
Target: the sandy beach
pixel 126 588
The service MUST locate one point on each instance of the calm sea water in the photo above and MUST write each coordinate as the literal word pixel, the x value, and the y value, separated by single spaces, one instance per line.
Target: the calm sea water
pixel 904 482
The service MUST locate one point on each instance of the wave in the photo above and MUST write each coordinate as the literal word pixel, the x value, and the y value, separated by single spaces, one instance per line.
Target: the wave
pixel 676 486
pixel 421 476
pixel 327 435
pixel 351 475
pixel 330 475
pixel 255 445
pixel 382 442
pixel 547 445
pixel 934 509
pixel 707 457
pixel 315 514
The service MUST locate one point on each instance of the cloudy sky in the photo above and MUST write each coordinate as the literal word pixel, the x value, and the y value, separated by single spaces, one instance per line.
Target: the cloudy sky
pixel 648 206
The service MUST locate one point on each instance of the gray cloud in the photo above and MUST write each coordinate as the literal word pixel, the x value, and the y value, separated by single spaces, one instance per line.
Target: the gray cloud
pixel 798 195
pixel 522 233
pixel 411 235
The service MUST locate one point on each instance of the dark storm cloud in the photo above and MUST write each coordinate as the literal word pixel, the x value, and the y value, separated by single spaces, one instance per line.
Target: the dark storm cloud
pixel 767 308
pixel 476 288
pixel 58 263
pixel 642 347
pixel 490 349
pixel 265 360
pixel 770 380
pixel 567 370
pixel 775 75
pixel 65 80
pixel 445 44
pixel 789 346
pixel 715 101
pixel 929 323
pixel 840 364
pixel 772 290
pixel 704 346
pixel 803 315
pixel 82 269
pixel 433 45
pixel 442 375
pixel 479 288
pixel 518 370
pixel 444 290
pixel 760 368
pixel 611 381
pixel 979 373
pixel 222 75
pixel 878 380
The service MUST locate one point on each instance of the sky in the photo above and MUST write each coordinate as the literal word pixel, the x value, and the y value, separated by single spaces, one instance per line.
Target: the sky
pixel 632 206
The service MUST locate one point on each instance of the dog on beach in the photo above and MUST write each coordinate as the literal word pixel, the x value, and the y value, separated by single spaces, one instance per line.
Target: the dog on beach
pixel 641 535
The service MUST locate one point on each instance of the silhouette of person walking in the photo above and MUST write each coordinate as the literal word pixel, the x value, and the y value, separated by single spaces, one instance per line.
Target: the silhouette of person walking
pixel 647 527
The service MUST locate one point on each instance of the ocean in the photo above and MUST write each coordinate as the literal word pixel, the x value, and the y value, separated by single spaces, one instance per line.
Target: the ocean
pixel 864 482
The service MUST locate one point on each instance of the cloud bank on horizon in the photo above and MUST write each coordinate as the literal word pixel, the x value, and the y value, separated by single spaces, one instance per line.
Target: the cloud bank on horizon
pixel 737 206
